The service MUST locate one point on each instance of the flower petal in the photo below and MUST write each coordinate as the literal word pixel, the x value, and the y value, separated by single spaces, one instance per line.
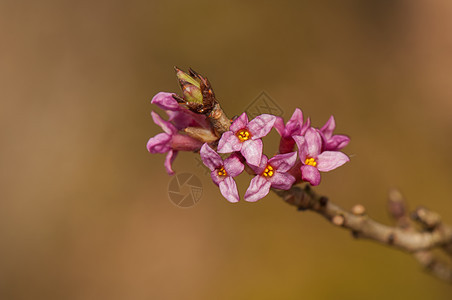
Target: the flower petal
pixel 161 143
pixel 310 174
pixel 233 165
pixel 261 125
pixel 337 142
pixel 210 158
pixel 283 162
pixel 313 142
pixel 305 126
pixel 180 119
pixel 229 143
pixel 239 123
pixel 259 169
pixel 228 189
pixel 166 101
pixel 279 126
pixel 301 144
pixel 170 157
pixel 258 189
pixel 328 128
pixel 330 160
pixel 216 178
pixel 282 181
pixel 252 151
pixel 295 123
pixel 165 125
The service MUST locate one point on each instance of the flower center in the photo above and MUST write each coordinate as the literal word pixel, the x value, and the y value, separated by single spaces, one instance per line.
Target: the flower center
pixel 243 135
pixel 268 172
pixel 310 161
pixel 222 171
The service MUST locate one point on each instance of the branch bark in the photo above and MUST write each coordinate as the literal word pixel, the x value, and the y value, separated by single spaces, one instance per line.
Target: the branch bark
pixel 405 236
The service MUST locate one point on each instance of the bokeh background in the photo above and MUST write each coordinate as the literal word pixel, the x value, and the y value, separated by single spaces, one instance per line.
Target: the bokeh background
pixel 84 209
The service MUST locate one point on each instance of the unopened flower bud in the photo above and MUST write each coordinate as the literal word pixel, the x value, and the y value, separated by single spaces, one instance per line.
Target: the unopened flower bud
pixel 191 88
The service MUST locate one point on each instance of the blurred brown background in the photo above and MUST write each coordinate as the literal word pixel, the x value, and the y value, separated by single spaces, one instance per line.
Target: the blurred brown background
pixel 84 210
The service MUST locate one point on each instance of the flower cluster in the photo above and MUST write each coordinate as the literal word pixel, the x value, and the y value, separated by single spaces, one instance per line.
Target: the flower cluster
pixel 318 151
pixel 176 136
pixel 304 151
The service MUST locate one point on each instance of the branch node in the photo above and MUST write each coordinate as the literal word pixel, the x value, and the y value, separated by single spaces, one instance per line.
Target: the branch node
pixel 338 220
pixel 391 238
pixel 358 210
pixel 429 219
pixel 323 201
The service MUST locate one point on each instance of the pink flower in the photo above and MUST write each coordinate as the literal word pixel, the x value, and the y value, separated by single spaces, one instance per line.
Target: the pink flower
pixel 294 126
pixel 223 171
pixel 170 141
pixel 313 159
pixel 180 116
pixel 246 137
pixel 330 141
pixel 271 173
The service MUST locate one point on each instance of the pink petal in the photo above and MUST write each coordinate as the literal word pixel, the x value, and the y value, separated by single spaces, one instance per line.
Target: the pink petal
pixel 279 126
pixel 282 181
pixel 228 189
pixel 170 157
pixel 261 125
pixel 239 123
pixel 258 189
pixel 229 143
pixel 295 123
pixel 258 169
pixel 328 128
pixel 305 126
pixel 161 143
pixel 165 125
pixel 233 165
pixel 216 178
pixel 310 174
pixel 283 162
pixel 180 119
pixel 210 158
pixel 252 151
pixel 313 142
pixel 301 144
pixel 330 160
pixel 337 142
pixel 165 101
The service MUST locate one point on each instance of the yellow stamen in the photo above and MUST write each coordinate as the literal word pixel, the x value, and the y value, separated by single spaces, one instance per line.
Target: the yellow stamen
pixel 268 172
pixel 310 162
pixel 243 135
pixel 222 172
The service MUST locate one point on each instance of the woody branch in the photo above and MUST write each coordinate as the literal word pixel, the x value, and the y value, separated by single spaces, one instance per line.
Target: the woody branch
pixel 431 234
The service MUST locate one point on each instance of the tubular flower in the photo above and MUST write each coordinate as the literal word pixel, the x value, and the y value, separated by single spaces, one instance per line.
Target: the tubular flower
pixel 271 173
pixel 294 126
pixel 332 142
pixel 313 159
pixel 170 141
pixel 180 116
pixel 246 137
pixel 223 172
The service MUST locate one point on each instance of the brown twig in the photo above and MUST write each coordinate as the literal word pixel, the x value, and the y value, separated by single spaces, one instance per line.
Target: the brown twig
pixel 429 222
pixel 404 236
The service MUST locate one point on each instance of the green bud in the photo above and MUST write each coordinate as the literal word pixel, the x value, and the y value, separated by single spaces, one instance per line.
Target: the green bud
pixel 191 87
